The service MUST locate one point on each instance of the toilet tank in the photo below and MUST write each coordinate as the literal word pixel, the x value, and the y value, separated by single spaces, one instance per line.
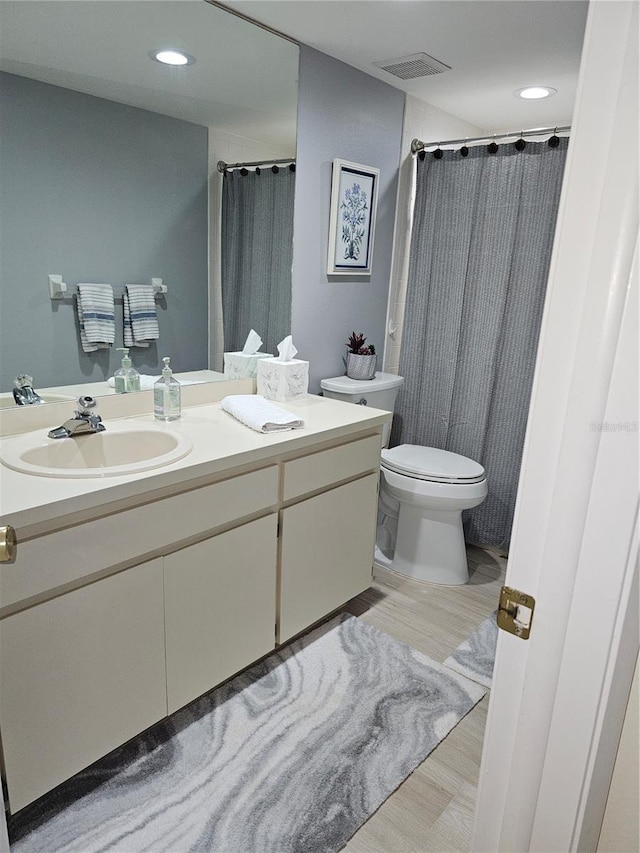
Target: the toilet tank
pixel 379 392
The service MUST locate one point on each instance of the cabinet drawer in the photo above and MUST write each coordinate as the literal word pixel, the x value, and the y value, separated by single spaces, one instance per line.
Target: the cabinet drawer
pixel 68 555
pixel 319 470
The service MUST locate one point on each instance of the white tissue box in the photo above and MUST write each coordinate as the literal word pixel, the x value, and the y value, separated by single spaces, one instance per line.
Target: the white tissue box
pixel 239 365
pixel 283 380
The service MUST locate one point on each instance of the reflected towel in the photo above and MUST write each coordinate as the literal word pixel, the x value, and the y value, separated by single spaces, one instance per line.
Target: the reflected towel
pixel 259 414
pixel 147 382
pixel 140 316
pixel 96 316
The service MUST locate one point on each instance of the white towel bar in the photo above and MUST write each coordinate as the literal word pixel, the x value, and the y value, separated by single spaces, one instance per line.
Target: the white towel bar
pixel 58 289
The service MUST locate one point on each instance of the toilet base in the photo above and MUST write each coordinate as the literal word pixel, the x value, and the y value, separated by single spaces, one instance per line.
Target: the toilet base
pixel 382 559
pixel 430 546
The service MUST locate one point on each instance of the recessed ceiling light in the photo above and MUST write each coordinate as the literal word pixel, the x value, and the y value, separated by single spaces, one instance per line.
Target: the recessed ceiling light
pixel 534 93
pixel 172 57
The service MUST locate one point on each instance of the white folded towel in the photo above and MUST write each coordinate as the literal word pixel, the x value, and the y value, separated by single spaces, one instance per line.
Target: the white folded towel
pixel 140 316
pixel 260 414
pixel 96 316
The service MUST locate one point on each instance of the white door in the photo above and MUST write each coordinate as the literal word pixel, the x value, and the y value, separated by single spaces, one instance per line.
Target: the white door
pixel 559 698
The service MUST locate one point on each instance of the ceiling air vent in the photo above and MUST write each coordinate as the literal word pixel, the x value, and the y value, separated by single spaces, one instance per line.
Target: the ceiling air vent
pixel 416 65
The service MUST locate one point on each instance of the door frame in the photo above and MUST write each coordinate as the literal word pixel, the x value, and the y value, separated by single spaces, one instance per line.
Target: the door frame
pixel 559 699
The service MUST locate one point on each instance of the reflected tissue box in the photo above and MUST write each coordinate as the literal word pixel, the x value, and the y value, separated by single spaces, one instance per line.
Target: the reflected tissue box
pixel 283 380
pixel 239 365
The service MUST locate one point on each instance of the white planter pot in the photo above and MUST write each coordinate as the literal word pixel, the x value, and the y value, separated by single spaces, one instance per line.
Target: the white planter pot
pixel 361 366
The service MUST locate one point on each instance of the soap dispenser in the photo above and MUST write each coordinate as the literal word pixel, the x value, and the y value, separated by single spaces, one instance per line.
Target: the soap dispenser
pixel 127 377
pixel 166 395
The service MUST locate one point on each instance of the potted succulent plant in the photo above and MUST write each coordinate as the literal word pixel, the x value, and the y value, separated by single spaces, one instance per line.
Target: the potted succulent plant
pixel 361 358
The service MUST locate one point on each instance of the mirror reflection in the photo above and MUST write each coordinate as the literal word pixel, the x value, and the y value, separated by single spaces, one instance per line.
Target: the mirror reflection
pixel 109 175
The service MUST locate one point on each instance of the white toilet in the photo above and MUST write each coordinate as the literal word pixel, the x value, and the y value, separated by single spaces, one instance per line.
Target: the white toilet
pixel 423 491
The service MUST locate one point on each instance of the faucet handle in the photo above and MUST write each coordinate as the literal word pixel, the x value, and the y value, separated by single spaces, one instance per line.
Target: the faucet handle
pixel 22 380
pixel 85 412
pixel 86 403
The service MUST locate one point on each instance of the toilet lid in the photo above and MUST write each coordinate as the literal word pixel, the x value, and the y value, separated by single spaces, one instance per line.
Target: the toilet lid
pixel 430 463
pixel 346 385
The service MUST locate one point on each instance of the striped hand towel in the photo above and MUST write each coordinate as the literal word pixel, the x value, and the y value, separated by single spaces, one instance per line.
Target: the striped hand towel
pixel 96 316
pixel 140 317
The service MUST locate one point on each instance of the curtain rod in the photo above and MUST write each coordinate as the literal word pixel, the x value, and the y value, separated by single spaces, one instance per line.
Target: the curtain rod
pixel 419 145
pixel 253 21
pixel 222 166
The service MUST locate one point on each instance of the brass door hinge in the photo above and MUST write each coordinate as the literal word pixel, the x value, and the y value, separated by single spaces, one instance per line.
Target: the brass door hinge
pixel 515 612
pixel 7 543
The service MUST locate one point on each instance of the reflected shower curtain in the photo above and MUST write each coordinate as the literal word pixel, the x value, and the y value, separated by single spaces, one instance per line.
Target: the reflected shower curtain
pixel 480 251
pixel 256 256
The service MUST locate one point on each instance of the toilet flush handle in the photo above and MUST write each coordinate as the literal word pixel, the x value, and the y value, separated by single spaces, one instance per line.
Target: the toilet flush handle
pixel 362 401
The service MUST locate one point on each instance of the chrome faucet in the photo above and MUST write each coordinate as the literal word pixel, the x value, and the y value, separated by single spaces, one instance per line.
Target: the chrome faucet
pixel 23 392
pixel 83 422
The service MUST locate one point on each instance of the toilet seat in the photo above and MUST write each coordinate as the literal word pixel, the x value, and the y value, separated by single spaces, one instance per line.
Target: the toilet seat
pixel 432 464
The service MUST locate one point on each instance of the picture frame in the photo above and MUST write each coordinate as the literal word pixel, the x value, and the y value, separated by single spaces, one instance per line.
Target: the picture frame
pixel 352 222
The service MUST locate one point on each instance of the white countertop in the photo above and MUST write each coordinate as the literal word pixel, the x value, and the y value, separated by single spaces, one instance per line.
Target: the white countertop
pixel 32 504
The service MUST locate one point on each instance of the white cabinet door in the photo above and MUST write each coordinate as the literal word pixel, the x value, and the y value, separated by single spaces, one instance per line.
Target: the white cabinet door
pixel 327 553
pixel 80 675
pixel 220 602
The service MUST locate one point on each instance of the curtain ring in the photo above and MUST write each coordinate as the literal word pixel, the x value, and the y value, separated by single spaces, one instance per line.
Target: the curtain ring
pixel 520 143
pixel 275 169
pixel 464 151
pixel 244 172
pixel 438 153
pixel 421 155
pixel 257 170
pixel 492 147
pixel 554 140
pixel 292 167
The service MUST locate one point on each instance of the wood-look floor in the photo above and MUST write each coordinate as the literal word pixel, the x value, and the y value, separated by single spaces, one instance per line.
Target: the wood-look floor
pixel 433 809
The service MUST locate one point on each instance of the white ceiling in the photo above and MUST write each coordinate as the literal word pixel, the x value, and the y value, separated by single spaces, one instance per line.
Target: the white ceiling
pixel 244 80
pixel 492 46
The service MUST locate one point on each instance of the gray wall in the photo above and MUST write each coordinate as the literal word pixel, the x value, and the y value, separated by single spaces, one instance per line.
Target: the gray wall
pixel 96 191
pixel 347 114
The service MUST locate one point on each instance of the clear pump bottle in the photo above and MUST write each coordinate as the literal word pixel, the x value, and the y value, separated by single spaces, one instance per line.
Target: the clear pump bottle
pixel 166 395
pixel 126 377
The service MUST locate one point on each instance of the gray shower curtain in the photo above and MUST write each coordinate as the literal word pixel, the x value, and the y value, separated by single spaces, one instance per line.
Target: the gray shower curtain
pixel 480 251
pixel 256 256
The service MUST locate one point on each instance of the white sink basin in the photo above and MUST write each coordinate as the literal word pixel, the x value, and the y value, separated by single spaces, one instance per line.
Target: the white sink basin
pixel 7 401
pixel 120 449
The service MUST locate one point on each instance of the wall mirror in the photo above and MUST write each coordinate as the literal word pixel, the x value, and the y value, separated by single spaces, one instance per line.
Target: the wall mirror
pixel 108 169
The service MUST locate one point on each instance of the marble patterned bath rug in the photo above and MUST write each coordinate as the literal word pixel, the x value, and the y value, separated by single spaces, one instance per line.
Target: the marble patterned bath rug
pixel 291 756
pixel 475 657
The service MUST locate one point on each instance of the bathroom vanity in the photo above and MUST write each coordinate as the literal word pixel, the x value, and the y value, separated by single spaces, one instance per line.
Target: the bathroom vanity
pixel 130 596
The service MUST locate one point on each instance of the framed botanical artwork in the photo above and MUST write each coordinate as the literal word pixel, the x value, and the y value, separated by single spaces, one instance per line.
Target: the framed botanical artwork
pixel 354 197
